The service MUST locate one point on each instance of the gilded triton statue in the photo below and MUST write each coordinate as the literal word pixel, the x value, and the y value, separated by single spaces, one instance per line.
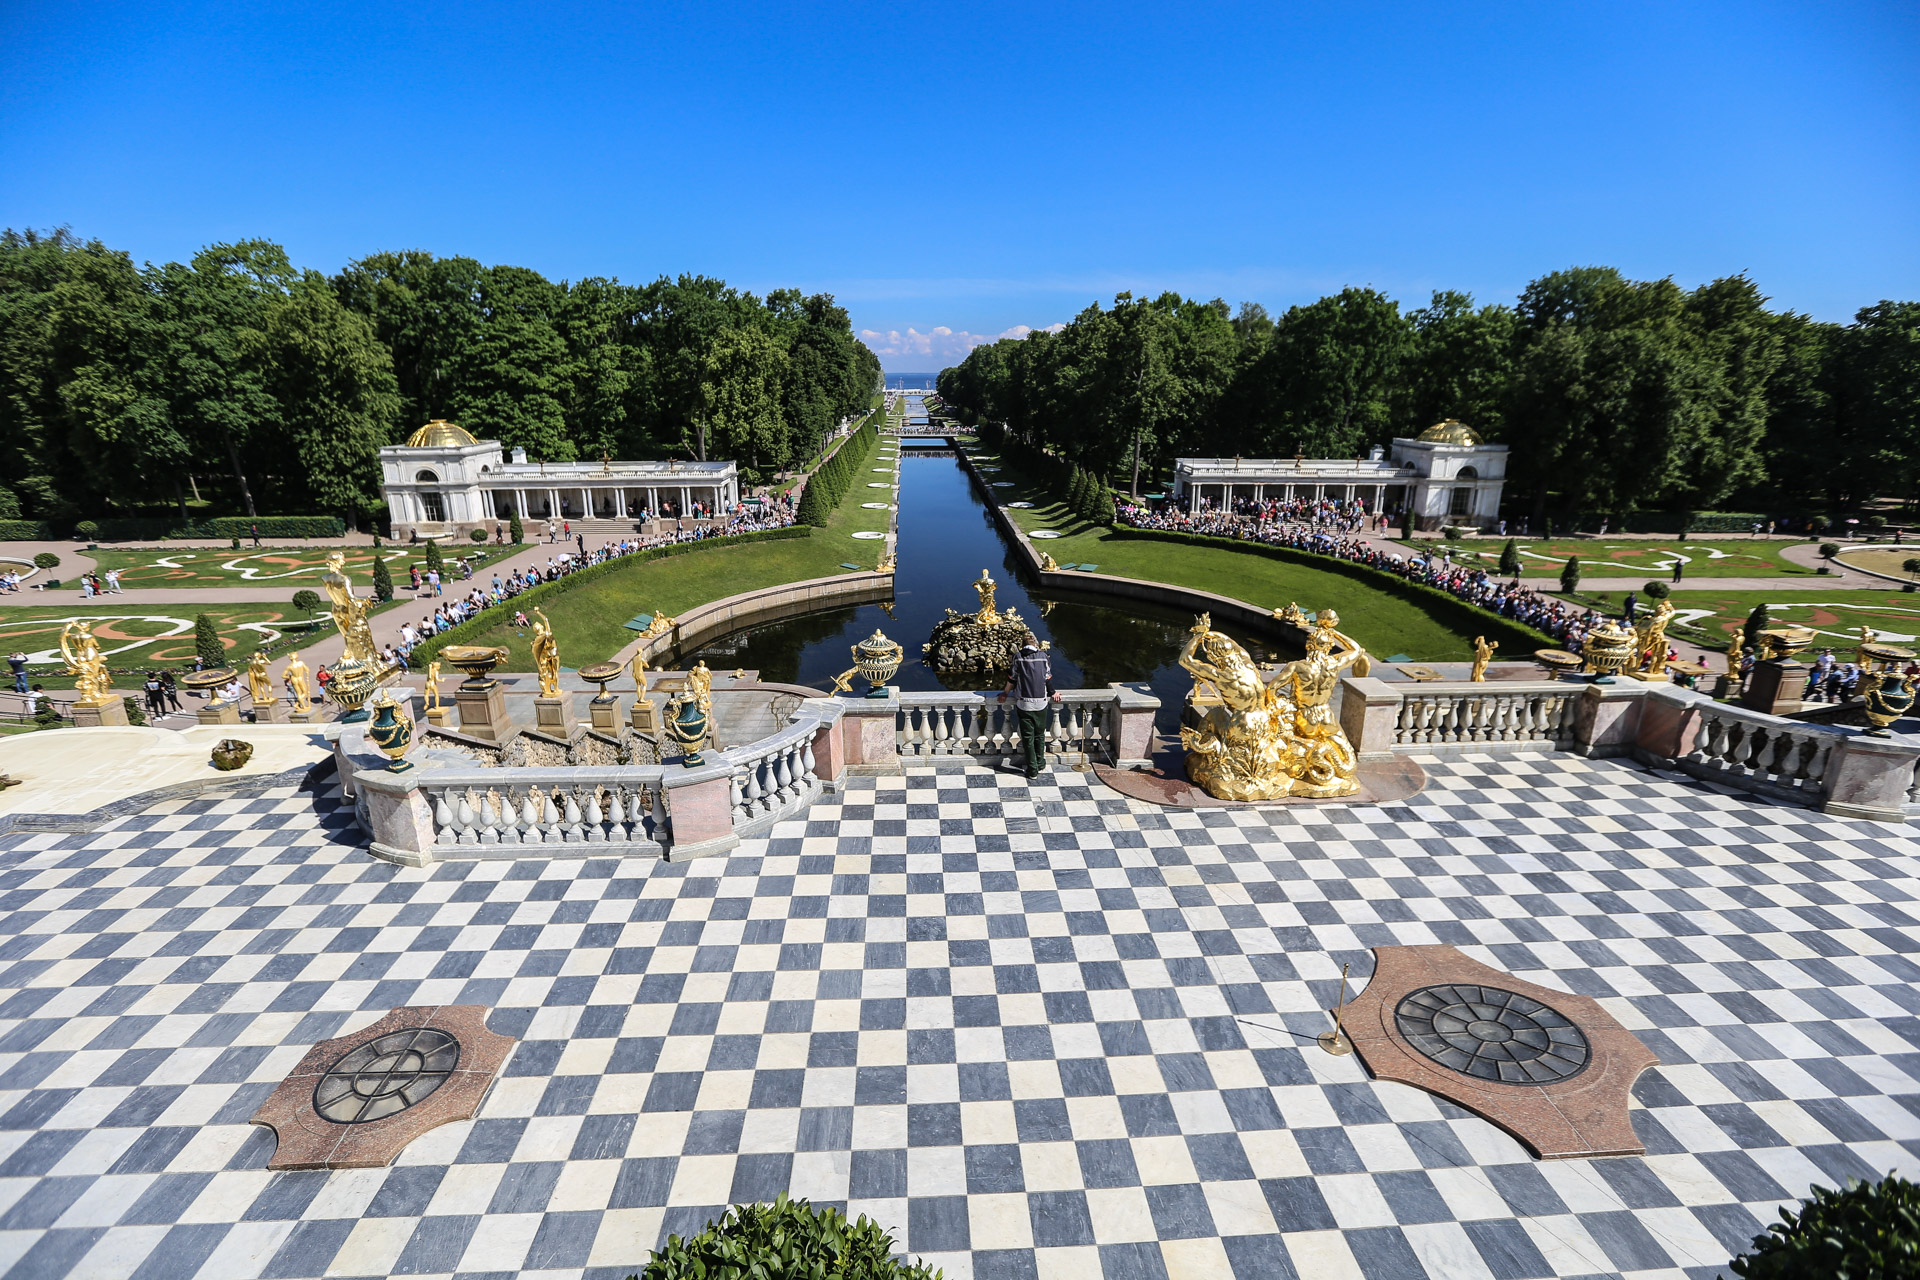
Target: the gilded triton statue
pixel 349 613
pixel 1240 748
pixel 1736 647
pixel 1650 640
pixel 1322 763
pixel 985 585
pixel 433 685
pixel 546 656
pixel 86 664
pixel 1482 655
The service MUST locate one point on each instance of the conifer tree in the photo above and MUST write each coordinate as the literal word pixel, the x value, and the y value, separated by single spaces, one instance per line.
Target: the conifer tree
pixel 515 530
pixel 1510 560
pixel 1570 575
pixel 382 580
pixel 812 510
pixel 207 643
pixel 433 556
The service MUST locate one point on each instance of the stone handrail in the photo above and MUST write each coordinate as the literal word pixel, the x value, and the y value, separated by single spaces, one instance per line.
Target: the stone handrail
pixel 1756 752
pixel 1530 714
pixel 1082 727
pixel 492 812
pixel 776 777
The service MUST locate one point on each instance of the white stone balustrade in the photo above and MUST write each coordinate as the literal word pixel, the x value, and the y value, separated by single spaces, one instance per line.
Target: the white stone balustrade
pixel 774 778
pixel 1491 715
pixel 958 728
pixel 481 813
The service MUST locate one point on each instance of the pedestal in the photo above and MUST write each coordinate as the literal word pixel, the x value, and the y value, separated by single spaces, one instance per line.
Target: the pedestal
pixel 272 711
pixel 1775 687
pixel 310 716
pixel 441 716
pixel 219 713
pixel 483 711
pixel 93 715
pixel 644 717
pixel 554 715
pixel 605 714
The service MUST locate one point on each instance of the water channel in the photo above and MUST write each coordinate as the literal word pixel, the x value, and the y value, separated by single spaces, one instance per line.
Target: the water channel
pixel 947 536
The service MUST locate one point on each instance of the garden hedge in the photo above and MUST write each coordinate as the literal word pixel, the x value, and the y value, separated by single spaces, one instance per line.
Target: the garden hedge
pixel 25 531
pixel 1449 610
pixel 472 629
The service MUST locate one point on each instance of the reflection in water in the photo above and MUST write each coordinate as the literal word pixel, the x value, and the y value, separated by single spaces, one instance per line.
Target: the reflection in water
pixel 946 537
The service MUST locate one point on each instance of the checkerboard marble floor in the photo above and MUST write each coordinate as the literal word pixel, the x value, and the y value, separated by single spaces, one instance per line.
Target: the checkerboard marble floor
pixel 1038 1030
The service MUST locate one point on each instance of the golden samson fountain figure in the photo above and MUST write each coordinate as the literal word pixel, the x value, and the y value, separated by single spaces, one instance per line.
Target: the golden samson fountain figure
pixel 1264 740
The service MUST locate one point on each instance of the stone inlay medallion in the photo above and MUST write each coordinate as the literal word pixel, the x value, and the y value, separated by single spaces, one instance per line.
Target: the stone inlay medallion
pixel 385 1076
pixel 1493 1034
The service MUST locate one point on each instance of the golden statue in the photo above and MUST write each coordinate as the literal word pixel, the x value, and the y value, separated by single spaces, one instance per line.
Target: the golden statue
pixel 700 682
pixel 1239 749
pixel 1292 616
pixel 1735 648
pixel 660 625
pixel 1047 564
pixel 349 613
pixel 639 668
pixel 987 616
pixel 259 684
pixel 888 564
pixel 86 664
pixel 301 684
pixel 433 685
pixel 1650 639
pixel 1867 637
pixel 546 656
pixel 1325 764
pixel 1482 655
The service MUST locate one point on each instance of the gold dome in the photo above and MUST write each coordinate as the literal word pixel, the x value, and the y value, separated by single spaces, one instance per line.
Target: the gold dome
pixel 439 434
pixel 1452 431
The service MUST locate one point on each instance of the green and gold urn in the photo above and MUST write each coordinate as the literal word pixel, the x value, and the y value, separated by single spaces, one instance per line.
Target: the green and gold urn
pixel 687 726
pixel 390 731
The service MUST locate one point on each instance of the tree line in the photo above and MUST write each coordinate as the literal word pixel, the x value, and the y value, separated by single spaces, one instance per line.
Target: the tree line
pixel 126 389
pixel 1614 394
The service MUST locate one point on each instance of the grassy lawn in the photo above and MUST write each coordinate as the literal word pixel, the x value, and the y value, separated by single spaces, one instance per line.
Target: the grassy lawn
pixel 133 636
pixel 1723 558
pixel 291 567
pixel 589 624
pixel 1837 615
pixel 1383 623
pixel 1886 559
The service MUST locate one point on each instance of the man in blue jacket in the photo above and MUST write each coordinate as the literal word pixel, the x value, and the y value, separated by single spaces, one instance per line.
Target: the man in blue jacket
pixel 1031 685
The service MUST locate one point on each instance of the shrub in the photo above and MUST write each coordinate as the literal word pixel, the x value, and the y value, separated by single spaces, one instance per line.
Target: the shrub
pixel 47 560
pixel 785 1238
pixel 434 560
pixel 1510 560
pixel 235 542
pixel 382 580
pixel 516 532
pixel 1570 575
pixel 1911 565
pixel 477 535
pixel 44 713
pixel 24 531
pixel 1656 590
pixel 1406 523
pixel 136 714
pixel 1828 550
pixel 1869 1230
pixel 1757 621
pixel 87 531
pixel 306 600
pixel 1876 522
pixel 813 509
pixel 207 642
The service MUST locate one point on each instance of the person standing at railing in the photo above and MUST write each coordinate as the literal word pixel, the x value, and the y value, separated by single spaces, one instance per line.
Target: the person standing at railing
pixel 1031 684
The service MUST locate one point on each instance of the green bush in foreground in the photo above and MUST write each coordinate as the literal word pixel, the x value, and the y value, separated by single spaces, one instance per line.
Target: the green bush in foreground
pixel 785 1240
pixel 1870 1231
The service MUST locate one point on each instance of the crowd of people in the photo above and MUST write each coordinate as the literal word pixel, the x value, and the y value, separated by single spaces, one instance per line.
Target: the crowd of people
pixel 1316 527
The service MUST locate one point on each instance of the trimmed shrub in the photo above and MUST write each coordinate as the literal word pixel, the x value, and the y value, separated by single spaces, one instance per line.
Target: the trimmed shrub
pixel 207 643
pixel 1570 575
pixel 307 601
pixel 382 580
pixel 136 714
pixel 1510 560
pixel 44 713
pixel 1656 590
pixel 276 526
pixel 1828 550
pixel 1757 621
pixel 434 560
pixel 516 532
pixel 47 560
pixel 87 531
pixel 812 510
pixel 476 535
pixel 788 1238
pixel 1911 565
pixel 1869 1230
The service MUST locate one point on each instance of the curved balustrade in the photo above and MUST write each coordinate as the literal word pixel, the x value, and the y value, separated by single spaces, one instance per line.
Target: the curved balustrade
pixel 482 813
pixel 1081 727
pixel 1758 752
pixel 1535 714
pixel 774 778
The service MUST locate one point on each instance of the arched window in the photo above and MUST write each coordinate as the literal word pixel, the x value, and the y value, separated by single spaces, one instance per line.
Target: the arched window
pixel 426 477
pixel 430 504
pixel 1462 502
pixel 1467 473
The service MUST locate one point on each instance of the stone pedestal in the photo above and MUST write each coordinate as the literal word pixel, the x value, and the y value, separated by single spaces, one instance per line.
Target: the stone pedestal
pixel 272 711
pixel 1606 720
pixel 1775 687
pixel 309 716
pixel 93 715
pixel 483 712
pixel 554 715
pixel 440 717
pixel 1133 735
pixel 219 713
pixel 644 716
pixel 604 714
pixel 701 801
pixel 867 733
pixel 1868 778
pixel 1369 709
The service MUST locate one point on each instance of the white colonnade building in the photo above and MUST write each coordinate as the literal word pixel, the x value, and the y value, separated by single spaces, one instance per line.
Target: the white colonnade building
pixel 1447 474
pixel 442 482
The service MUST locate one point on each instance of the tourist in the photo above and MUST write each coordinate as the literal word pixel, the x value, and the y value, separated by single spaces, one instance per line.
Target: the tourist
pixel 113 582
pixel 1677 566
pixel 1628 606
pixel 170 691
pixel 17 663
pixel 254 529
pixel 156 695
pixel 1031 684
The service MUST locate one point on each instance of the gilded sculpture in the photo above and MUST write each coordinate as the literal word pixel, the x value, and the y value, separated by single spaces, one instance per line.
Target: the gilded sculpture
pixel 1482 655
pixel 433 685
pixel 349 614
pixel 660 625
pixel 1047 564
pixel 639 669
pixel 1650 641
pixel 259 683
pixel 1735 648
pixel 1261 740
pixel 987 616
pixel 1292 616
pixel 700 682
pixel 299 680
pixel 86 664
pixel 546 656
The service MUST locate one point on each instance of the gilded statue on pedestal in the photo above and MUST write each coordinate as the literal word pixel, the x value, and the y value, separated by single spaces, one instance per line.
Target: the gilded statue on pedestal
pixel 1047 564
pixel 299 680
pixel 639 668
pixel 349 614
pixel 660 625
pixel 1735 647
pixel 546 656
pixel 700 683
pixel 987 616
pixel 1650 640
pixel 259 684
pixel 86 664
pixel 433 685
pixel 1482 655
pixel 1267 740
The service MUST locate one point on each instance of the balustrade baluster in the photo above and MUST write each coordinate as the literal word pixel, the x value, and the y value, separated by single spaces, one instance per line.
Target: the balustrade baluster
pixel 616 816
pixel 443 820
pixel 463 816
pixel 595 832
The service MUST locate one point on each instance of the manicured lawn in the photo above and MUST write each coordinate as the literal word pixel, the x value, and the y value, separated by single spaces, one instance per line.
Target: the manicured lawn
pixel 1837 615
pixel 293 567
pixel 132 636
pixel 1883 559
pixel 1383 623
pixel 1720 558
pixel 589 624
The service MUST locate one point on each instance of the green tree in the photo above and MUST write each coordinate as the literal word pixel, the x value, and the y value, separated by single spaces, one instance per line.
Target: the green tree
pixel 307 600
pixel 516 532
pixel 741 389
pixel 382 580
pixel 1510 560
pixel 434 561
pixel 1459 363
pixel 813 509
pixel 1325 384
pixel 1570 575
pixel 1757 621
pixel 207 643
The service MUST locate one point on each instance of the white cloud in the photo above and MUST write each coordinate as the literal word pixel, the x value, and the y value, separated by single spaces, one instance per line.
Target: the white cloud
pixel 938 347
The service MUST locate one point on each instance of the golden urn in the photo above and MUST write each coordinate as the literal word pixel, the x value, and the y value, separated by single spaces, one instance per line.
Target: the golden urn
pixel 475 661
pixel 1783 642
pixel 877 659
pixel 1608 649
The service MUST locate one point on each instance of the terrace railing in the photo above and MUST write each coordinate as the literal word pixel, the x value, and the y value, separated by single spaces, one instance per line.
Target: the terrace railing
pixel 1081 728
pixel 480 813
pixel 1505 715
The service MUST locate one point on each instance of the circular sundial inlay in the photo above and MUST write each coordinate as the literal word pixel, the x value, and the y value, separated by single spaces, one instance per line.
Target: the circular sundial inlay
pixel 1492 1034
pixel 385 1076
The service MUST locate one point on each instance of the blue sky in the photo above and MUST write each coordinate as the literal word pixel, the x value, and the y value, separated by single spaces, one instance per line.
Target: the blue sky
pixel 959 171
